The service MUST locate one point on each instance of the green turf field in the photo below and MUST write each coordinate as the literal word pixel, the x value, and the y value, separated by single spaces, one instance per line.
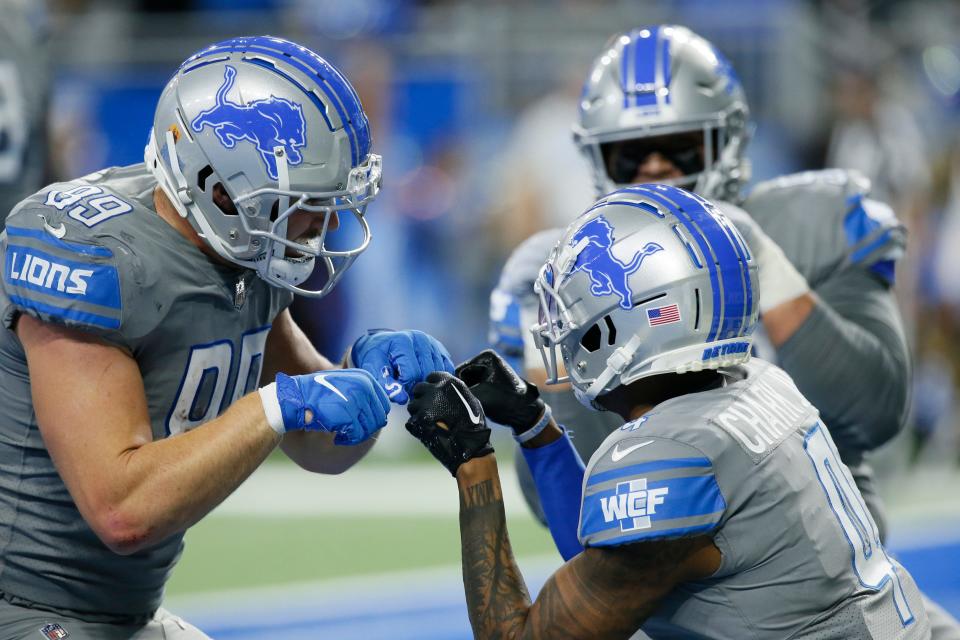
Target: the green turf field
pixel 230 552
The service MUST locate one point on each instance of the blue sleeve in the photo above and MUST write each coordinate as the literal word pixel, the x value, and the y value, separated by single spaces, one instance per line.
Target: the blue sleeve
pixel 558 473
pixel 71 283
pixel 874 236
pixel 645 488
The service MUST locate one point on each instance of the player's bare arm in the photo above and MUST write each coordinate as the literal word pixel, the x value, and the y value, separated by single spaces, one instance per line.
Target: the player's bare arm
pixel 601 593
pixel 92 411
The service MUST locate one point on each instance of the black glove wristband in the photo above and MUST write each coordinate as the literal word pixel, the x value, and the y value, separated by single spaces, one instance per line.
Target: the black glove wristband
pixel 451 451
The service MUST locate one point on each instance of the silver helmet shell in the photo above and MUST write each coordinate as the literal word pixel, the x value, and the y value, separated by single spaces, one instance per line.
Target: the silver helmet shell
pixel 664 80
pixel 280 131
pixel 651 279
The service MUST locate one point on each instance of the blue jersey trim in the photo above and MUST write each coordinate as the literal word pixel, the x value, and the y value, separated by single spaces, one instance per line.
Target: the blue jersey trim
pixel 863 252
pixel 886 269
pixel 685 497
pixel 215 372
pixel 75 247
pixel 100 282
pixel 646 467
pixel 650 535
pixel 81 317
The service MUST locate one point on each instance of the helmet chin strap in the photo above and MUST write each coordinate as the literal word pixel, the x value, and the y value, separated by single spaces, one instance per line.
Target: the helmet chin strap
pixel 618 361
pixel 277 251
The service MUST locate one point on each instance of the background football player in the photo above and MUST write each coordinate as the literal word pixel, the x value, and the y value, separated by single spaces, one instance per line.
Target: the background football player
pixel 661 104
pixel 142 306
pixel 722 491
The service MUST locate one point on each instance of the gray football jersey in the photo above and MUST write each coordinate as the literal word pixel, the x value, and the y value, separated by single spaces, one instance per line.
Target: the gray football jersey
pixel 824 221
pixel 93 254
pixel 751 465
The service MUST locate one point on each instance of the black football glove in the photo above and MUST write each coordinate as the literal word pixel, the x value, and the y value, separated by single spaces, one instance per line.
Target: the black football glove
pixel 448 420
pixel 506 397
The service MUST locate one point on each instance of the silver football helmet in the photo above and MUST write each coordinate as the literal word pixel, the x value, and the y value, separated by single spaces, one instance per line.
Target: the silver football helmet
pixel 651 279
pixel 668 83
pixel 249 132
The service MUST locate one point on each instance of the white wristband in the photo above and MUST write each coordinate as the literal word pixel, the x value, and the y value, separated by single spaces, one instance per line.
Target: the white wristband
pixel 779 279
pixel 536 429
pixel 271 407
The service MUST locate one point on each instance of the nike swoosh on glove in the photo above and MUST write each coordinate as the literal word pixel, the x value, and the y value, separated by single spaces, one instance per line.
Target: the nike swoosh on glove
pixel 449 421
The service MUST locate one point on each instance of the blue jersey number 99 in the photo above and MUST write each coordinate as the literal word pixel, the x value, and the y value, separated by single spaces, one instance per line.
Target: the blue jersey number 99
pixel 203 389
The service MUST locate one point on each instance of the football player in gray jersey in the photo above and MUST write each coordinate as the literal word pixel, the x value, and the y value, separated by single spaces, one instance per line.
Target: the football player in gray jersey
pixel 148 363
pixel 663 105
pixel 719 509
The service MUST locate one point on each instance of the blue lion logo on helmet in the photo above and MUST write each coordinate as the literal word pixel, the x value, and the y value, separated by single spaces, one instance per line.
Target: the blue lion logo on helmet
pixel 596 259
pixel 269 123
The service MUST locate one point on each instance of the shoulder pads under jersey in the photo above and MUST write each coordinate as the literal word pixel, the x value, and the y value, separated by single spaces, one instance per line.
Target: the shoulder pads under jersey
pixel 67 261
pixel 824 221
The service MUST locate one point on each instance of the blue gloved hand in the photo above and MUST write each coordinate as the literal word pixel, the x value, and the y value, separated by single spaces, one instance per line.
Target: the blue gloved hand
pixel 399 359
pixel 347 402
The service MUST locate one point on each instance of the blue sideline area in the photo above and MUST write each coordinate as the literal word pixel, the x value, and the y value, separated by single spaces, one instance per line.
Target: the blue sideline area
pixel 432 608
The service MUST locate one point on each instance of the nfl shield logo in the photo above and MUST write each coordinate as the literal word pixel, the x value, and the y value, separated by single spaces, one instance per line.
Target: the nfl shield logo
pixel 54 632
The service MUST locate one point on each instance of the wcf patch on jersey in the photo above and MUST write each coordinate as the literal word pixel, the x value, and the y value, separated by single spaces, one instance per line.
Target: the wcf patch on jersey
pixel 633 504
pixel 54 631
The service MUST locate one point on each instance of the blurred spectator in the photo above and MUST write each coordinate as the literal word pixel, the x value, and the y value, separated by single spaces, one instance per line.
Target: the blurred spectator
pixel 542 180
pixel 879 137
pixel 24 87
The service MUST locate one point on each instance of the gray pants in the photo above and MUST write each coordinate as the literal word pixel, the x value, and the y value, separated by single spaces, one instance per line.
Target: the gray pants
pixel 24 623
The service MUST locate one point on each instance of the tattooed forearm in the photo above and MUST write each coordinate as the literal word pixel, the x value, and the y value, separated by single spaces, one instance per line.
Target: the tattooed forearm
pixel 497 597
pixel 478 495
pixel 608 593
pixel 603 593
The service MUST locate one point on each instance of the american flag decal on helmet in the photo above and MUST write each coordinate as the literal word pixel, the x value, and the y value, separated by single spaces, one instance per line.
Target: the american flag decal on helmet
pixel 663 315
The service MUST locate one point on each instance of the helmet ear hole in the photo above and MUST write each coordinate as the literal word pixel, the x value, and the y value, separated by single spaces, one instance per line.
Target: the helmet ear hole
pixel 611 331
pixel 223 200
pixel 202 176
pixel 591 339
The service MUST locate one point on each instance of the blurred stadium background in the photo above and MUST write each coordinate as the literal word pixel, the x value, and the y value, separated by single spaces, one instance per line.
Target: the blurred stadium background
pixel 471 104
